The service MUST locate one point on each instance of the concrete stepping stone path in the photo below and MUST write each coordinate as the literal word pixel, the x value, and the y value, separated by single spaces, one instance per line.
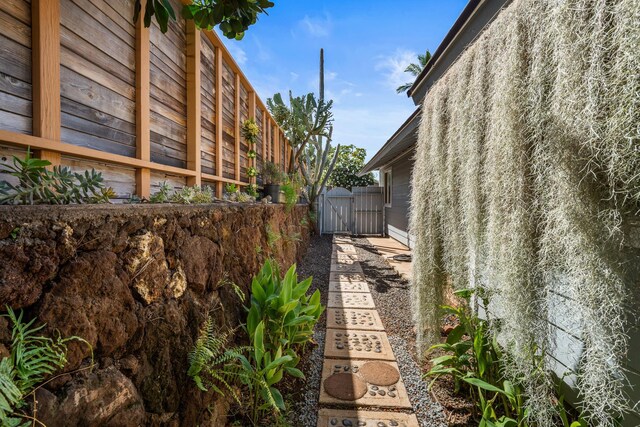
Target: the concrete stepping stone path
pixel 359 418
pixel 384 396
pixel 354 344
pixel 349 287
pixel 338 276
pixel 347 268
pixel 354 318
pixel 359 368
pixel 350 300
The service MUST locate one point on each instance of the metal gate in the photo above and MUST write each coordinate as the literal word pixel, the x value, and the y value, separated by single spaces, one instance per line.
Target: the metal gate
pixel 358 212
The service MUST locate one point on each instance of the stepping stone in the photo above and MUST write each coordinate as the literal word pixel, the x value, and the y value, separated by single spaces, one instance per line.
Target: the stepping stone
pixel 350 300
pixel 337 276
pixel 391 396
pixel 361 418
pixel 343 258
pixel 345 386
pixel 379 373
pixel 344 248
pixel 348 287
pixel 353 318
pixel 346 268
pixel 354 344
pixel 341 239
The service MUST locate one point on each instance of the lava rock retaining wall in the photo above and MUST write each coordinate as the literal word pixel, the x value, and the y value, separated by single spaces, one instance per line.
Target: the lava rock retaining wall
pixel 136 282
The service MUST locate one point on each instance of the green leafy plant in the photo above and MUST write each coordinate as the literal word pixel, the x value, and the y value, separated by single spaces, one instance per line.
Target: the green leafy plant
pixel 32 359
pixel 15 233
pixel 477 360
pixel 471 353
pixel 233 17
pixel 252 172
pixel 192 195
pixel 38 185
pixel 282 304
pixel 231 188
pixel 252 190
pixel 280 318
pixel 211 362
pixel 272 237
pixel 262 370
pixel 243 197
pixel 163 194
pixel 250 132
pixel 291 188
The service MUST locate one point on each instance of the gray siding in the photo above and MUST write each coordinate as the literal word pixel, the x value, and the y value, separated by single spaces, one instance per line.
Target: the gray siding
pixel 397 216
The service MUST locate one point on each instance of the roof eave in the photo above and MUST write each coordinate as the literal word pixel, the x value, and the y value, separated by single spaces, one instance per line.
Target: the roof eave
pixel 410 125
pixel 474 18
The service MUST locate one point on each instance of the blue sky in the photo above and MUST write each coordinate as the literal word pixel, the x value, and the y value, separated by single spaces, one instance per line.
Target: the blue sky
pixel 367 47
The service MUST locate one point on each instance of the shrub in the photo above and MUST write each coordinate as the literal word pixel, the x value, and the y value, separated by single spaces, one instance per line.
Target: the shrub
pixel 281 318
pixel 38 185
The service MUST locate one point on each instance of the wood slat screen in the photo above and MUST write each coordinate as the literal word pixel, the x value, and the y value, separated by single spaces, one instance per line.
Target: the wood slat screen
pixel 111 116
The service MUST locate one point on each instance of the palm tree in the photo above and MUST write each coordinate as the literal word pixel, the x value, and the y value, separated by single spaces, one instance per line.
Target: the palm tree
pixel 415 70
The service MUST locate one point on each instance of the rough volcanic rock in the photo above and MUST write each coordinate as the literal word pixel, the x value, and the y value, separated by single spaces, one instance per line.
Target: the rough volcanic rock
pixel 136 282
pixel 102 398
pixel 90 299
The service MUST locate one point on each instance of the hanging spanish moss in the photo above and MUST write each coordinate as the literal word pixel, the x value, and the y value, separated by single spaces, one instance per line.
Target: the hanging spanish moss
pixel 528 163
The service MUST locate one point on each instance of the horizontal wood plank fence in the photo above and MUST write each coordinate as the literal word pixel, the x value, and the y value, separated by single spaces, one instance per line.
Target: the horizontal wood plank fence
pixel 84 86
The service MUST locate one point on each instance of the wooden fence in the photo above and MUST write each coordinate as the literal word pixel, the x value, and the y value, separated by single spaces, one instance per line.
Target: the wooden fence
pixel 85 87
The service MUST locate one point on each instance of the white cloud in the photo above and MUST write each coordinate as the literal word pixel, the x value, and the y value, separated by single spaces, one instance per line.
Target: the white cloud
pixel 317 26
pixel 294 76
pixel 393 66
pixel 237 53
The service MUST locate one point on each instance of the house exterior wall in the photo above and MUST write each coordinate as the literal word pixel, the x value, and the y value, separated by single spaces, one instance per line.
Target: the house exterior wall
pixel 397 212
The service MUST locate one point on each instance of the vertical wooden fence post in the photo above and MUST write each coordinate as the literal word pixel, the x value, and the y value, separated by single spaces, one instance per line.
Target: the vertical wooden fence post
pixel 194 116
pixel 276 145
pixel 219 120
pixel 46 74
pixel 265 137
pixel 252 115
pixel 237 127
pixel 143 127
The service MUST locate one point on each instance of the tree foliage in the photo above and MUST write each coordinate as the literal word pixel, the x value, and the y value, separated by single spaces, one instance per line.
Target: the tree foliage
pixel 301 120
pixel 350 162
pixel 415 69
pixel 234 17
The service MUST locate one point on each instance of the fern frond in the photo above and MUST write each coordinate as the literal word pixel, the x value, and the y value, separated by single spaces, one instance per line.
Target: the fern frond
pixel 32 359
pixel 210 363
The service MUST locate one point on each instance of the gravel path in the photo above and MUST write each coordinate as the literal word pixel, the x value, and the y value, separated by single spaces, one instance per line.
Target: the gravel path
pixel 391 295
pixel 317 263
